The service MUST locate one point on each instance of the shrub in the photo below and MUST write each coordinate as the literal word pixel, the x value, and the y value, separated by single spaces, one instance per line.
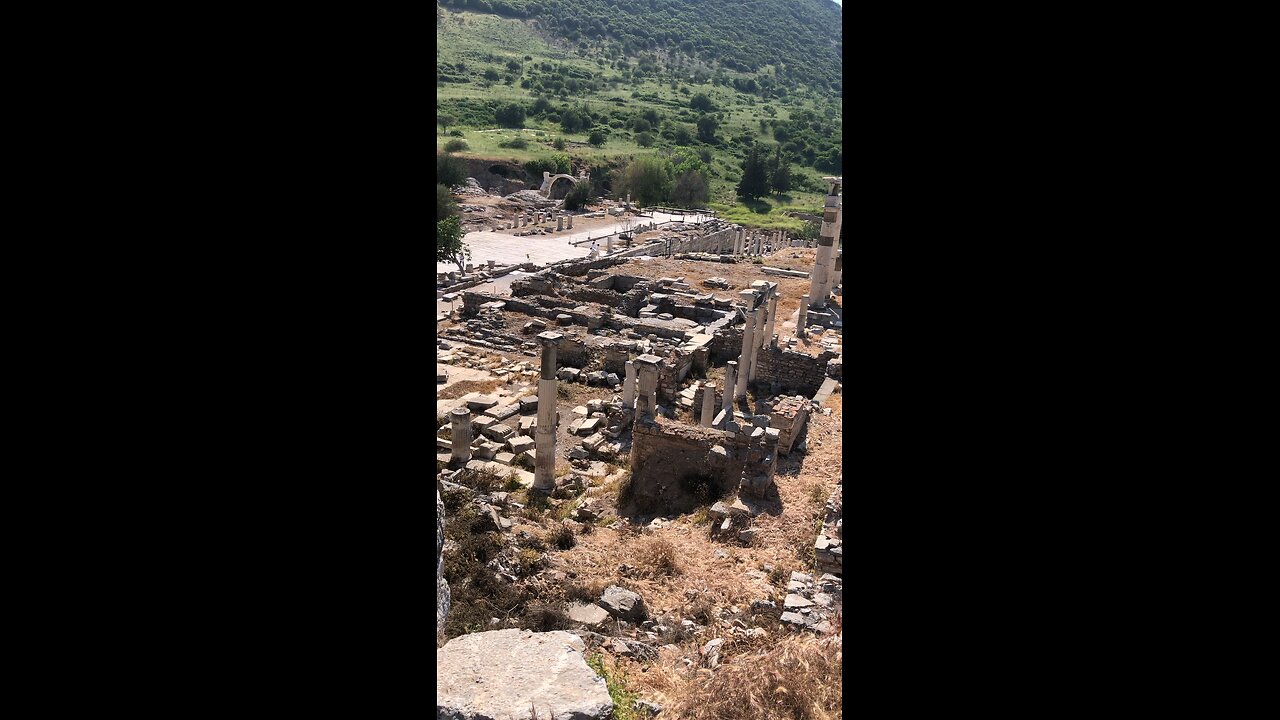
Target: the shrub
pixel 596 138
pixel 559 143
pixel 449 170
pixel 455 145
pixel 517 143
pixel 797 677
pixel 657 557
pixel 561 537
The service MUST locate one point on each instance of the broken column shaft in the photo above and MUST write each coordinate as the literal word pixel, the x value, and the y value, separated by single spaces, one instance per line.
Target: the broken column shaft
pixel 647 396
pixel 460 435
pixel 802 316
pixel 708 403
pixel 730 376
pixel 629 387
pixel 544 437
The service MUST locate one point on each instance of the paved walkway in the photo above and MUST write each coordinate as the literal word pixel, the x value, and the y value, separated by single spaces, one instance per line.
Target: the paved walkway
pixel 506 249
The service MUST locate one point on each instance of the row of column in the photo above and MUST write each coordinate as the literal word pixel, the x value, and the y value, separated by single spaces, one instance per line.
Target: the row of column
pixel 561 224
pixel 754 245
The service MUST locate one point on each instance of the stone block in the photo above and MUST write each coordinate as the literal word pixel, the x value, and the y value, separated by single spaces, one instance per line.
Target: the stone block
pixel 481 403
pixel 498 432
pixel 520 443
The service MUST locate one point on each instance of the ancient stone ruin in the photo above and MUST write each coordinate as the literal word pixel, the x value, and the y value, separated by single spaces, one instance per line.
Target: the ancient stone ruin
pixel 615 396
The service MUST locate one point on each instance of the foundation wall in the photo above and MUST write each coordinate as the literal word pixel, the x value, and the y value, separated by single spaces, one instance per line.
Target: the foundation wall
pixel 795 373
pixel 676 468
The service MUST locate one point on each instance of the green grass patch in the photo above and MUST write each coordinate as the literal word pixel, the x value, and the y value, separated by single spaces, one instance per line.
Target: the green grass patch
pixel 623 700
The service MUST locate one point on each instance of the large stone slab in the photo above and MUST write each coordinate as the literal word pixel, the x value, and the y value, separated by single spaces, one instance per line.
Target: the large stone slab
pixel 590 615
pixel 506 673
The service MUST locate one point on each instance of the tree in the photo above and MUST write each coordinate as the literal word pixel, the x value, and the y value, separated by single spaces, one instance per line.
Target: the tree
pixel 644 139
pixel 577 197
pixel 691 190
pixel 780 176
pixel 445 121
pixel 596 138
pixel 682 135
pixel 755 174
pixel 455 145
pixel 701 103
pixel 647 178
pixel 449 245
pixel 491 75
pixel 444 203
pixel 707 129
pixel 510 115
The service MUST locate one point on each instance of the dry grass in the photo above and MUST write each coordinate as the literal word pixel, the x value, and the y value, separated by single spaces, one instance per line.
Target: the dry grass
pixel 656 556
pixel 463 387
pixel 795 678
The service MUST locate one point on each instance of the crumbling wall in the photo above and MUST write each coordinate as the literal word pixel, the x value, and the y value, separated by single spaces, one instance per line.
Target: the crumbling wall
pixel 443 598
pixel 593 295
pixel 793 372
pixel 726 344
pixel 675 367
pixel 676 468
pixel 828 548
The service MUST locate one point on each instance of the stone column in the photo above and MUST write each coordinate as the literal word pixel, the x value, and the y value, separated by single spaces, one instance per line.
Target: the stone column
pixel 608 245
pixel 629 387
pixel 820 284
pixel 804 312
pixel 758 337
pixel 773 313
pixel 559 223
pixel 460 434
pixel 729 379
pixel 708 403
pixel 544 437
pixel 570 222
pixel 744 360
pixel 837 272
pixel 647 398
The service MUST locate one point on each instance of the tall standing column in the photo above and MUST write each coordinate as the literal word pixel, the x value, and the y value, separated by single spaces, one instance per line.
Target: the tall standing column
pixel 708 403
pixel 647 398
pixel 570 222
pixel 773 315
pixel 544 437
pixel 460 435
pixel 608 245
pixel 629 387
pixel 744 360
pixel 820 285
pixel 729 378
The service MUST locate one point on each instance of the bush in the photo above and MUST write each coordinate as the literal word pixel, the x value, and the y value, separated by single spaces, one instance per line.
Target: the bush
pixel 517 143
pixel 449 170
pixel 658 557
pixel 645 139
pixel 456 133
pixel 455 146
pixel 559 143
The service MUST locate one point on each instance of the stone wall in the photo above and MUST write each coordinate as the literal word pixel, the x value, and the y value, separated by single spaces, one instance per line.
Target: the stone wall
pixel 793 372
pixel 677 467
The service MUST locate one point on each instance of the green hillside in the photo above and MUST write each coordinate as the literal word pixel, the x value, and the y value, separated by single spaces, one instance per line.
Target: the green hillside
pixel 704 80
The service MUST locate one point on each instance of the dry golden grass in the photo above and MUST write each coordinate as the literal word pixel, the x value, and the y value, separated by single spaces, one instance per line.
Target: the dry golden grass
pixel 463 387
pixel 795 678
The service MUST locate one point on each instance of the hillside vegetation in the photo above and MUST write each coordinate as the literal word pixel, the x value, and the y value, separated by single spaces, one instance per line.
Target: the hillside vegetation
pixel 705 86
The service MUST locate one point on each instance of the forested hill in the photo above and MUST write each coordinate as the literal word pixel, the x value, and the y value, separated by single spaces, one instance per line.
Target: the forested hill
pixel 801 39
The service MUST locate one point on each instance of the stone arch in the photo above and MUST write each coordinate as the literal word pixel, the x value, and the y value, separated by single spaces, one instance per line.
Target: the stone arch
pixel 550 183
